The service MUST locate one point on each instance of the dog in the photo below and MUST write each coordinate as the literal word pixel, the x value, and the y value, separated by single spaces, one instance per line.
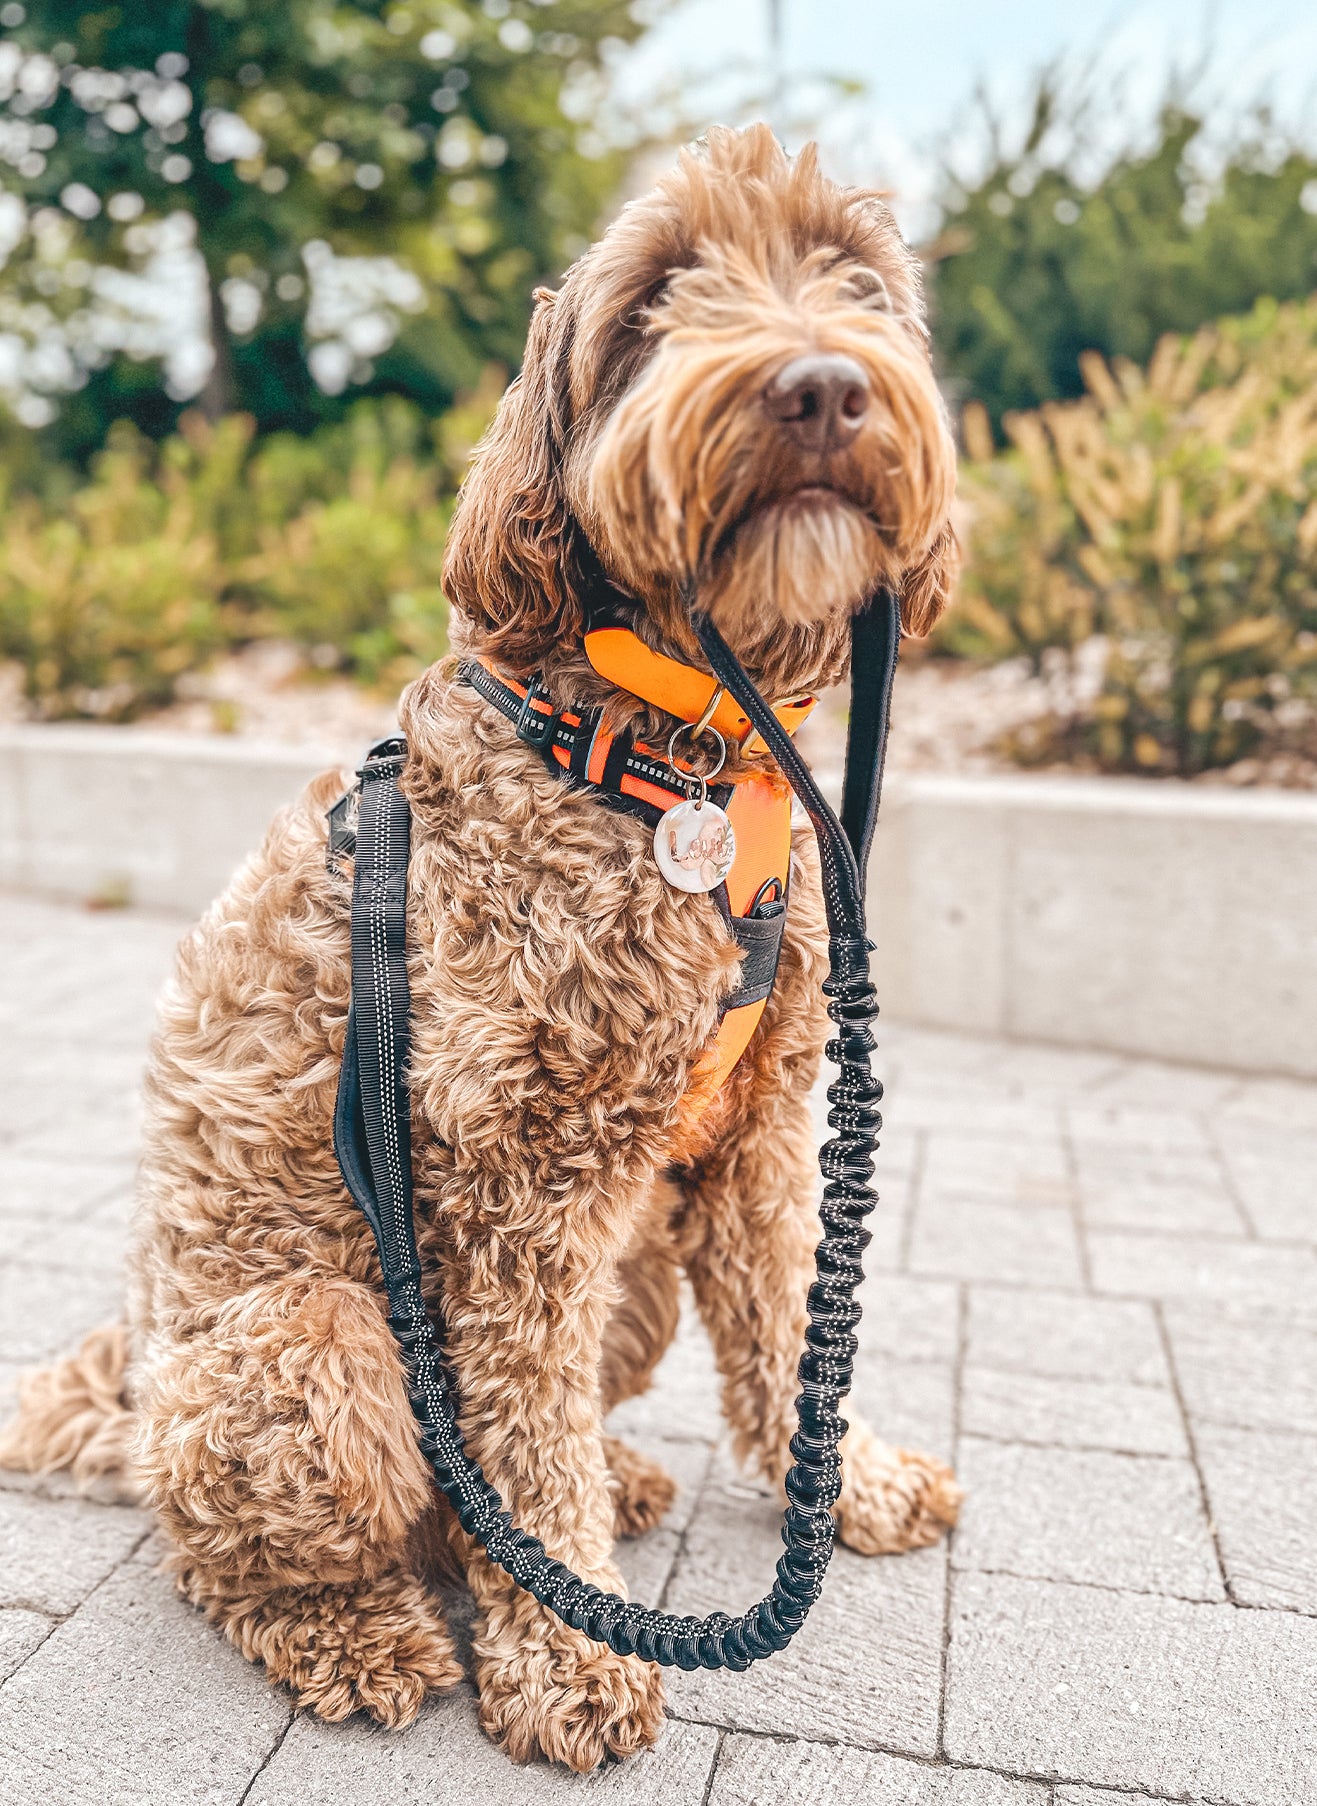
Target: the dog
pixel 732 388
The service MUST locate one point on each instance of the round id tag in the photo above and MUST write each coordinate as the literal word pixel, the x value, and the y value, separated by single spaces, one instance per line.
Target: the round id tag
pixel 694 845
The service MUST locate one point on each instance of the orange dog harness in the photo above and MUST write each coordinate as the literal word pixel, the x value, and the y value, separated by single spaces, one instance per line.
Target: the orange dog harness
pixel 576 745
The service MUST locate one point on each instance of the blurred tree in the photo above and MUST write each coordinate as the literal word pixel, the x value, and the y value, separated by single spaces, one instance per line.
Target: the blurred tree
pixel 372 188
pixel 1038 261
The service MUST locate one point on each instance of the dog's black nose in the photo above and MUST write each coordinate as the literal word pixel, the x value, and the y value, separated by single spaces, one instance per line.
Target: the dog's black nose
pixel 820 399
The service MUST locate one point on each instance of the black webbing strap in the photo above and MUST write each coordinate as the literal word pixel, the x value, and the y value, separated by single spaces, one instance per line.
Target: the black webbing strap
pixel 548 729
pixel 371 1140
pixel 875 642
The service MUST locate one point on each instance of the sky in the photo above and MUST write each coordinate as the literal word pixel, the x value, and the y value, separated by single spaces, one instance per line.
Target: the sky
pixel 920 64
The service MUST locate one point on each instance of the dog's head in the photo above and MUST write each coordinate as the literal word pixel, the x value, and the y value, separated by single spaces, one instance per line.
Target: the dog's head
pixel 731 389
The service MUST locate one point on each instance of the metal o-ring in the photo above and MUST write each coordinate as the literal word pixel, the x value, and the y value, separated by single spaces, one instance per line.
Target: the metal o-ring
pixel 708 776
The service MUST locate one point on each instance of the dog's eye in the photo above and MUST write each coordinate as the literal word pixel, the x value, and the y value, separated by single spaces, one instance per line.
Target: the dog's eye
pixel 637 316
pixel 868 288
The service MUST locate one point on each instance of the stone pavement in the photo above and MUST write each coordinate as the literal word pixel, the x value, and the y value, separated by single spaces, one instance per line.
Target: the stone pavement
pixel 1093 1284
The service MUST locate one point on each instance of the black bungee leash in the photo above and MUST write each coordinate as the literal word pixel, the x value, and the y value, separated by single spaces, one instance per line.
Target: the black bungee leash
pixel 373 1143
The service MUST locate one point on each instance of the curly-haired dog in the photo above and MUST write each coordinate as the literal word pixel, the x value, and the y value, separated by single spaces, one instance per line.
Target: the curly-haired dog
pixel 732 385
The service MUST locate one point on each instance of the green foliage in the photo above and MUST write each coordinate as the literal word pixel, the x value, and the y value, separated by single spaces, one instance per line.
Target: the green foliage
pixel 443 144
pixel 170 553
pixel 1036 264
pixel 356 578
pixel 107 604
pixel 1169 512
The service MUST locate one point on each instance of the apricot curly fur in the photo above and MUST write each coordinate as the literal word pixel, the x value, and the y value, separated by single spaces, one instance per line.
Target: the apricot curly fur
pixel 563 995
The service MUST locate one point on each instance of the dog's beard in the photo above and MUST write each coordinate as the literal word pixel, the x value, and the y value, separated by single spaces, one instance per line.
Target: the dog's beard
pixel 688 479
pixel 803 559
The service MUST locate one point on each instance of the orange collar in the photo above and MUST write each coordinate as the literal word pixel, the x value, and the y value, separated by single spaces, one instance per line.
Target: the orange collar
pixel 623 658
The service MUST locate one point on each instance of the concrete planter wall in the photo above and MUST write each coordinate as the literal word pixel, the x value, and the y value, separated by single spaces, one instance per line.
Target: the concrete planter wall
pixel 1160 919
pixel 155 819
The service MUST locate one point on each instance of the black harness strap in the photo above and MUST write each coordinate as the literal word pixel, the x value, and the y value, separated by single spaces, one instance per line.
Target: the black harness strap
pixel 373 1145
pixel 875 643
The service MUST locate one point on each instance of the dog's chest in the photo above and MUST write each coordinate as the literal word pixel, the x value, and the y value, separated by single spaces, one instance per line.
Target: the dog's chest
pixel 551 960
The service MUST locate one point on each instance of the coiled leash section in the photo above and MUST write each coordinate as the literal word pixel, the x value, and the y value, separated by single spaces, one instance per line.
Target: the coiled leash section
pixel 373 1143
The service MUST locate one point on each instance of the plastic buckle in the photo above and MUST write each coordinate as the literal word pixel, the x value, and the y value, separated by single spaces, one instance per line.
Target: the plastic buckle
pixel 535 726
pixel 384 758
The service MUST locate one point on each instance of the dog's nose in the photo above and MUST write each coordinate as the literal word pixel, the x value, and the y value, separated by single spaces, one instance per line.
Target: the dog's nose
pixel 820 399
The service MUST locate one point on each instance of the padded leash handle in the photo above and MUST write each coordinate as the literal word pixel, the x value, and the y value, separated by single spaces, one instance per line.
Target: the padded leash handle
pixel 372 1141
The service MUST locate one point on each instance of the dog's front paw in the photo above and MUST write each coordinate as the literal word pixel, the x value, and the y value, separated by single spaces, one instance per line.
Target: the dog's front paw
pixel 642 1492
pixel 545 1690
pixel 892 1499
pixel 379 1647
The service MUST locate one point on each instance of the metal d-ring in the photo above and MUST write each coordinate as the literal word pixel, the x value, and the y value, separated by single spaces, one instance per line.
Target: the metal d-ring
pixel 710 710
pixel 696 782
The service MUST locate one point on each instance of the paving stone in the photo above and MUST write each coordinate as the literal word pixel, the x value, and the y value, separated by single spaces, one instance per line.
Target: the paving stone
pixel 1276 1177
pixel 866 1667
pixel 53 1552
pixel 684 1398
pixel 911 1319
pixel 1250 1371
pixel 996 1241
pixel 1262 1491
pixel 1135 1126
pixel 1001 1168
pixel 117 1207
pixel 967 1109
pixel 33 1189
pixel 47 1310
pixel 1284 1104
pixel 908 1403
pixel 1071 1414
pixel 1102 1796
pixel 1021 1068
pixel 1064 1334
pixel 73 1244
pixel 899 1148
pixel 1134 1692
pixel 646 1561
pixel 11 1376
pixel 107 1127
pixel 25 1103
pixel 1139 1188
pixel 1147 1085
pixel 445 1759
pixel 753 1771
pixel 136 1701
pixel 889 1227
pixel 1278 1280
pixel 1104 1520
pixel 20 1633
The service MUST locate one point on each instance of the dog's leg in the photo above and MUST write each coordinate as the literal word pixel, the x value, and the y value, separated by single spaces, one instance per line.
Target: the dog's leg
pixel 280 1451
pixel 642 1324
pixel 525 1322
pixel 747 1240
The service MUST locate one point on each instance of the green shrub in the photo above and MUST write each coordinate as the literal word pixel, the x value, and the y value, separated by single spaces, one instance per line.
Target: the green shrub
pixel 105 603
pixel 355 579
pixel 111 590
pixel 1170 513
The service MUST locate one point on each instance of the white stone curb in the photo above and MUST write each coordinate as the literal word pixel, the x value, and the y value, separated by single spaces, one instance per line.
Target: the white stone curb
pixel 114 814
pixel 1167 920
pixel 1162 919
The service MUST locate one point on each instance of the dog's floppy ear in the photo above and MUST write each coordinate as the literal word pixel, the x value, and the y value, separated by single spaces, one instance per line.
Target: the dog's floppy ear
pixel 927 584
pixel 512 563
